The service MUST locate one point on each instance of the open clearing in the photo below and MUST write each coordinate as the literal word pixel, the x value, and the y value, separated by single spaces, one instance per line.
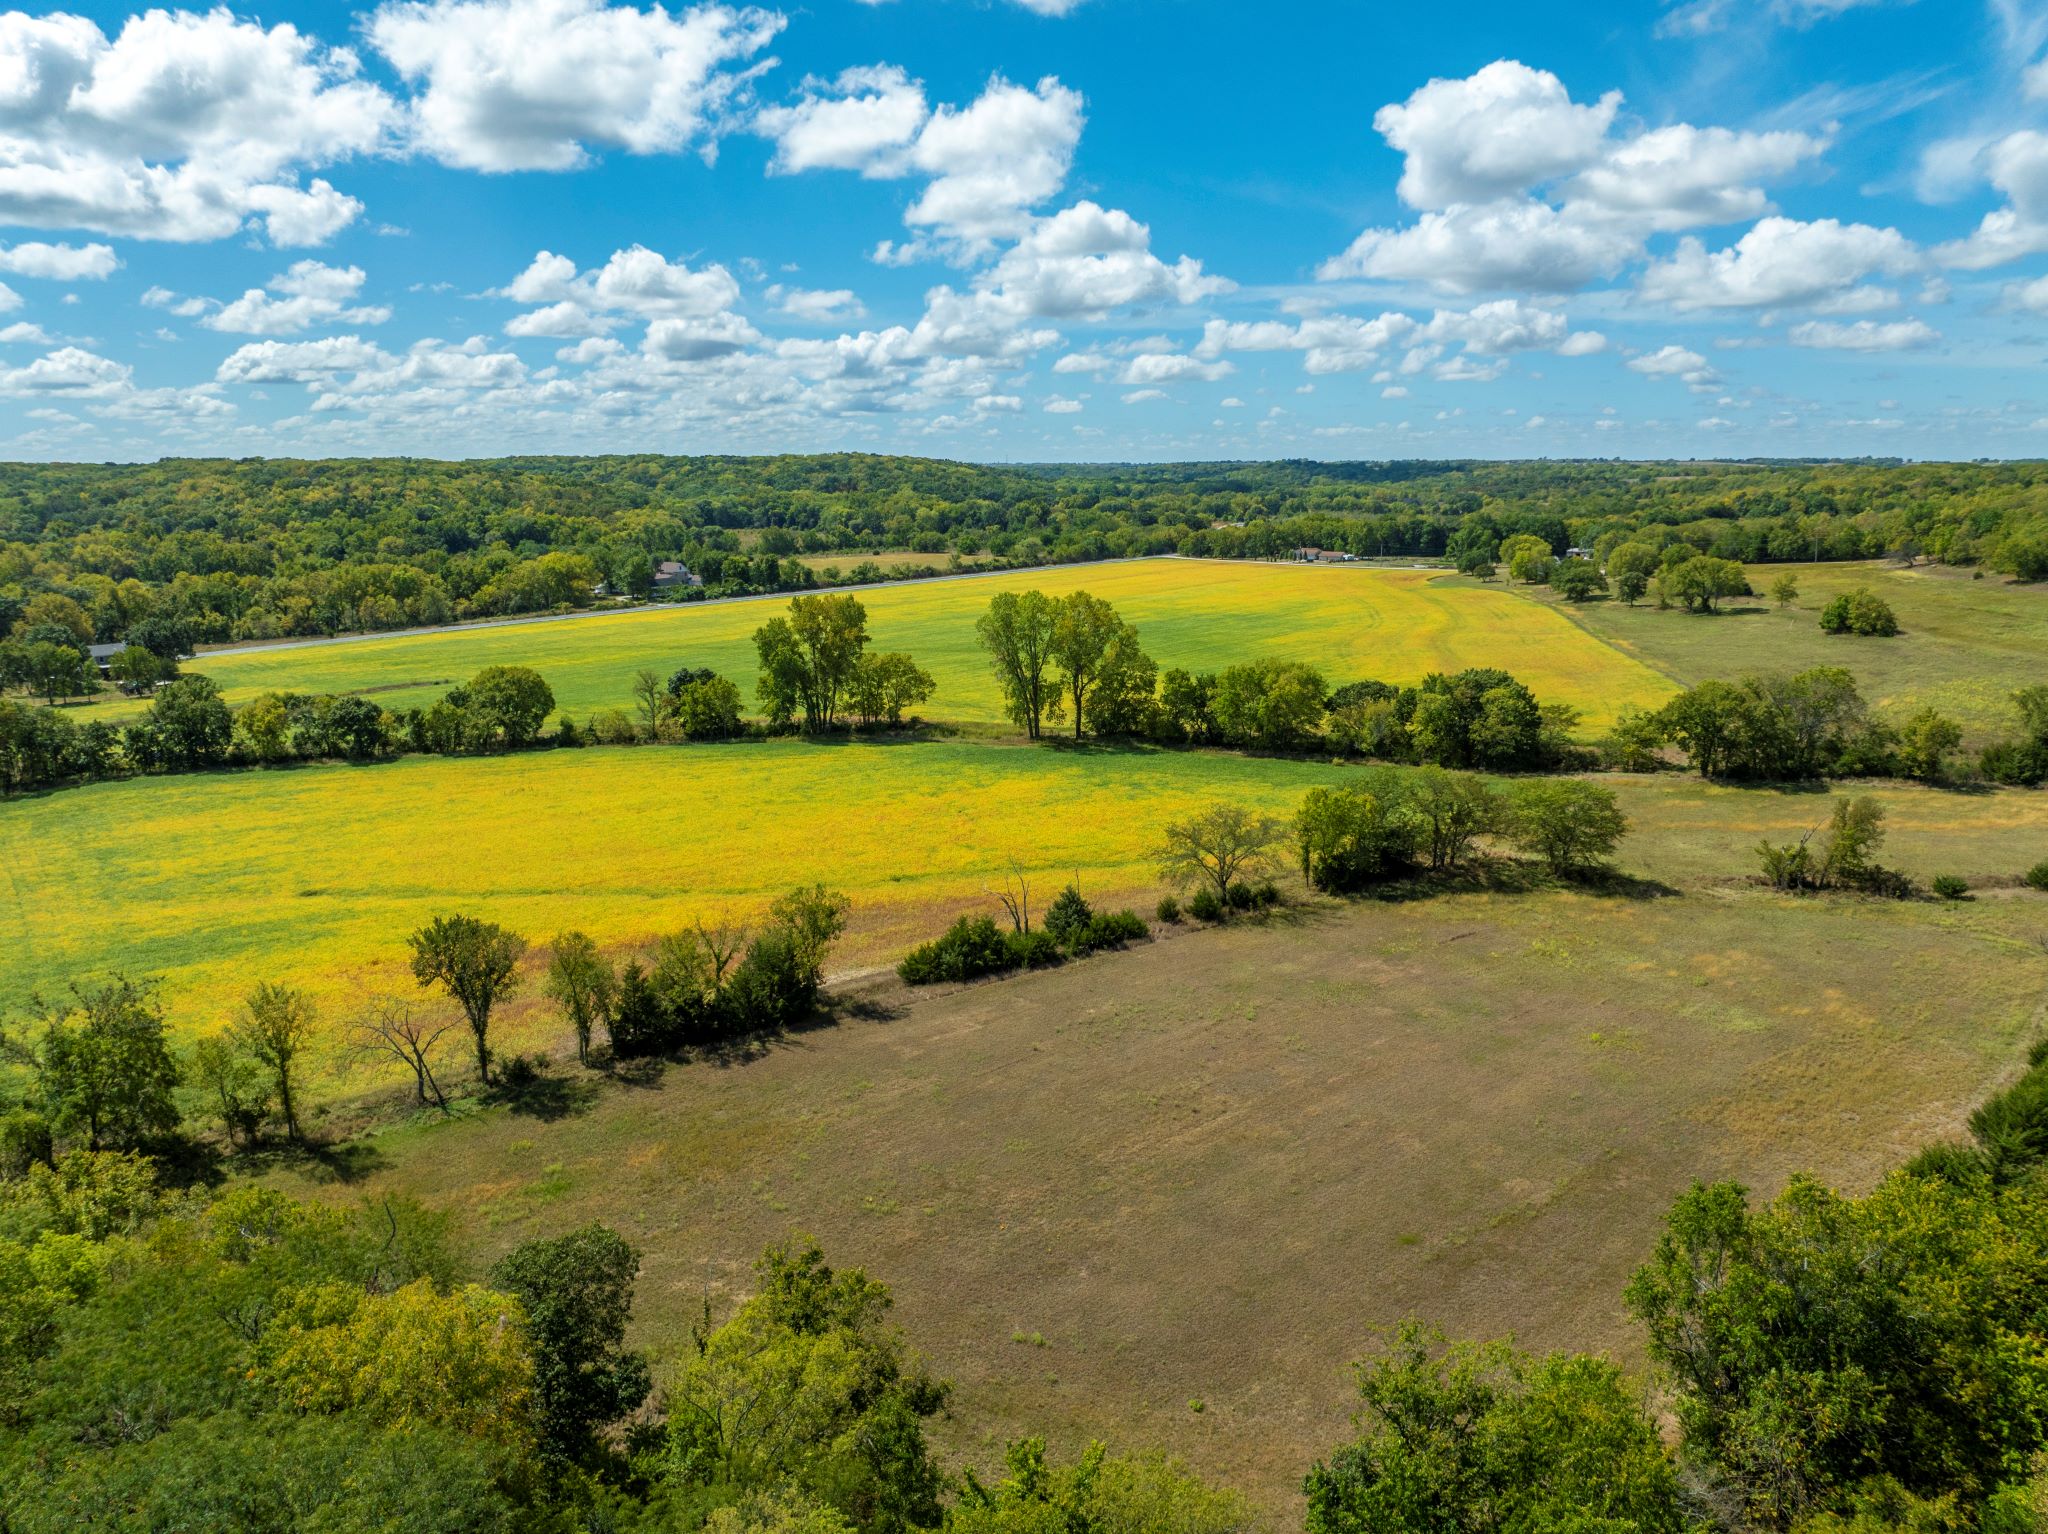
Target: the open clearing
pixel 1206 1169
pixel 314 875
pixel 1394 625
pixel 1966 644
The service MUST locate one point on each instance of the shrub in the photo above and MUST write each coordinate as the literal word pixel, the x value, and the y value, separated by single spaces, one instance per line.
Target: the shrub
pixel 1068 917
pixel 2017 763
pixel 1570 825
pixel 1951 887
pixel 639 1023
pixel 772 987
pixel 2012 1127
pixel 971 947
pixel 1204 906
pixel 1788 865
pixel 1265 893
pixel 701 706
pixel 1032 950
pixel 1946 1161
pixel 1861 611
pixel 1112 929
pixel 1352 836
pixel 612 727
pixel 2037 876
pixel 25 1141
pixel 1241 896
pixel 1576 579
pixel 1168 909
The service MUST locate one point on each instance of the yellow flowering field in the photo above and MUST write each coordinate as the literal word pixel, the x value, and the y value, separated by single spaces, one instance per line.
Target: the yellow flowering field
pixel 1353 622
pixel 314 876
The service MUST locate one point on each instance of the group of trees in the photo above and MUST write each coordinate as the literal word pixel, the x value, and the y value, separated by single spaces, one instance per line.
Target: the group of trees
pixel 1674 574
pixel 170 1359
pixel 47 651
pixel 1829 1365
pixel 249 1362
pixel 1670 571
pixel 707 983
pixel 103 1074
pixel 1387 823
pixel 975 946
pixel 1053 654
pixel 816 666
pixel 1816 724
pixel 190 727
pixel 1839 853
pixel 1813 724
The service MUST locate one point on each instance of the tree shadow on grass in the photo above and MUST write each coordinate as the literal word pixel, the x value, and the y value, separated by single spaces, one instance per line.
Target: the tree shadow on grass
pixel 869 1009
pixel 185 1161
pixel 345 1163
pixel 531 1092
pixel 1511 876
pixel 336 1161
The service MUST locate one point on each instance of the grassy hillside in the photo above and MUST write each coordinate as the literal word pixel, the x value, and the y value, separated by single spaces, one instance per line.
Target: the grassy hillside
pixel 1966 644
pixel 1208 1169
pixel 1393 625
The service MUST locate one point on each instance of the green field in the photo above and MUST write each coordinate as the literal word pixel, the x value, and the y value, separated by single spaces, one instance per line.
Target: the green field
pixel 1966 644
pixel 1353 623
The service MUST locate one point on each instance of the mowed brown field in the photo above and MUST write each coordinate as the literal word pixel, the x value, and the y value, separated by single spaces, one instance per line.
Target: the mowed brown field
pixel 1208 1169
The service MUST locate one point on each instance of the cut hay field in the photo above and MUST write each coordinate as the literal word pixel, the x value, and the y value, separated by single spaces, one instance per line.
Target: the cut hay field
pixel 1206 1170
pixel 1967 644
pixel 1394 625
pixel 315 875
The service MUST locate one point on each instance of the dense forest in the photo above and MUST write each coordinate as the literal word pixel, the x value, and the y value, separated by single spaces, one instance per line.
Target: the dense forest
pixel 186 552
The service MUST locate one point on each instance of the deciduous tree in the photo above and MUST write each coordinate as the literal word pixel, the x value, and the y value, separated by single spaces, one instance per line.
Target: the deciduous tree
pixel 477 963
pixel 275 1028
pixel 1220 846
pixel 1018 633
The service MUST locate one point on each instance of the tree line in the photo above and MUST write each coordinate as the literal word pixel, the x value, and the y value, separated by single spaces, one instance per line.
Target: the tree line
pixel 257 549
pixel 1055 659
pixel 817 673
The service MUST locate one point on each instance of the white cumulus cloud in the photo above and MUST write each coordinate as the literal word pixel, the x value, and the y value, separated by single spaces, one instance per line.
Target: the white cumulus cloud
pixel 541 84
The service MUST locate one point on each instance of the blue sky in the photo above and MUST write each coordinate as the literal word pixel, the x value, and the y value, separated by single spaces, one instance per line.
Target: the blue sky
pixel 1027 229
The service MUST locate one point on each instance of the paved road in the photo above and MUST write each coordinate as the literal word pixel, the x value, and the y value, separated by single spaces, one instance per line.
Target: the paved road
pixel 612 612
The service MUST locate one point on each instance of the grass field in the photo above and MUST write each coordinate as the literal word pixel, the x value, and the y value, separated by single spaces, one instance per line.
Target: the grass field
pixel 1353 623
pixel 1207 1169
pixel 315 875
pixel 1967 644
